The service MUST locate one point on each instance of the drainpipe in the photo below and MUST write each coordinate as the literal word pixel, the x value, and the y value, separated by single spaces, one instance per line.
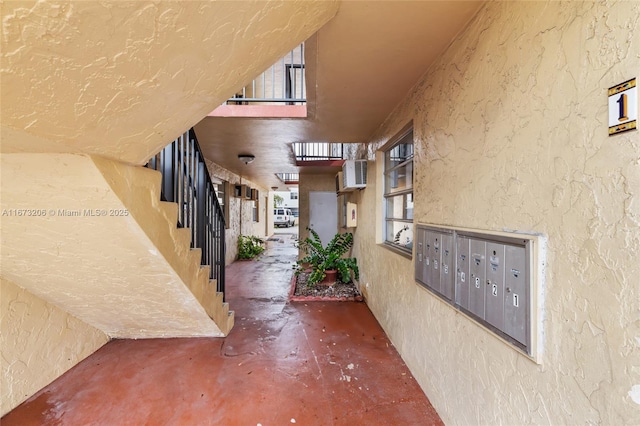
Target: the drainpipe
pixel 240 209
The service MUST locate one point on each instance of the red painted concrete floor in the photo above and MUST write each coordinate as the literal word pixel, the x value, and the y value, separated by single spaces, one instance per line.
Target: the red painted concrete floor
pixel 316 363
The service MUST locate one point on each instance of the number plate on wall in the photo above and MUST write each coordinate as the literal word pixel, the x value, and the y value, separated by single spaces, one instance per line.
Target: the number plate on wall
pixel 623 107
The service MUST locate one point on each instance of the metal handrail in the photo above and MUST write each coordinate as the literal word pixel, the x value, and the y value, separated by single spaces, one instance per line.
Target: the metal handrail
pixel 282 83
pixel 313 151
pixel 186 181
pixel 288 177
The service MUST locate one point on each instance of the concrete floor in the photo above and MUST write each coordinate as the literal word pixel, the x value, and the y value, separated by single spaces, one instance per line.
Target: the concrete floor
pixel 316 363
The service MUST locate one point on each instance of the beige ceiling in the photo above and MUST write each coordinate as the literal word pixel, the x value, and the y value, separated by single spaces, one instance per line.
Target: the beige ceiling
pixel 364 61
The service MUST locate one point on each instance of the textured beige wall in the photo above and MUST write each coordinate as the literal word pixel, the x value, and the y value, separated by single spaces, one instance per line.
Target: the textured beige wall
pixel 511 134
pixel 102 246
pixel 39 342
pixel 123 79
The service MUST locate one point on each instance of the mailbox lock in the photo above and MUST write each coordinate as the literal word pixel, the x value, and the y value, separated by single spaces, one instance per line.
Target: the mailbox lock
pixel 508 289
pixel 488 282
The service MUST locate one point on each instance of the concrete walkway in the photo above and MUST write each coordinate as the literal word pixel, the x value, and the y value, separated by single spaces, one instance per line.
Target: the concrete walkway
pixel 316 363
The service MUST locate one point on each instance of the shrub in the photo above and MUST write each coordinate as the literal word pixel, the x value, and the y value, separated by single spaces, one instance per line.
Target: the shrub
pixel 321 258
pixel 249 246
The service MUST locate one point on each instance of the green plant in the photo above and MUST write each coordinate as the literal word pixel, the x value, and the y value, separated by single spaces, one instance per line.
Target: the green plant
pixel 277 200
pixel 249 246
pixel 320 258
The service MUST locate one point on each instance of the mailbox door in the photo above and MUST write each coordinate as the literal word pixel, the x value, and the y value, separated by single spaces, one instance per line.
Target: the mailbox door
pixel 516 295
pixel 477 270
pixel 419 261
pixel 447 266
pixel 462 272
pixel 494 298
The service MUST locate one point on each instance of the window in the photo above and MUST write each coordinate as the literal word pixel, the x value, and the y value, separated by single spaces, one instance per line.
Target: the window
pixel 256 212
pixel 221 188
pixel 294 195
pixel 398 193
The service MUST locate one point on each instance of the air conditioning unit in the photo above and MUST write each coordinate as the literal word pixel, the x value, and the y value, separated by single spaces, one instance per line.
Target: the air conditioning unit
pixel 247 192
pixel 237 191
pixel 354 174
pixel 255 194
pixel 243 192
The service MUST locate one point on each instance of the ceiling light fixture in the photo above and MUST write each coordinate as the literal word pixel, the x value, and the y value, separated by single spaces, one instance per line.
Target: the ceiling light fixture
pixel 246 158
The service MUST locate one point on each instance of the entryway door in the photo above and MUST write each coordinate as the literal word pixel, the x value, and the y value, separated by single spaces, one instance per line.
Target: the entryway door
pixel 323 214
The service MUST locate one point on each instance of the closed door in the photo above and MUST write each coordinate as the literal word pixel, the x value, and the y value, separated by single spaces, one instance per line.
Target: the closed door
pixel 323 214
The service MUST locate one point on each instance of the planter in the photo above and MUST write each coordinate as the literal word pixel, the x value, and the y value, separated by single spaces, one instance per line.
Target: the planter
pixel 329 278
pixel 334 293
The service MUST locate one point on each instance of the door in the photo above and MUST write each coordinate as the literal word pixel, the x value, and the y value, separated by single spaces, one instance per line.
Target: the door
pixel 323 214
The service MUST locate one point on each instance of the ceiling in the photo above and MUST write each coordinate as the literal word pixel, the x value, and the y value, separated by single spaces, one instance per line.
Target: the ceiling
pixel 364 62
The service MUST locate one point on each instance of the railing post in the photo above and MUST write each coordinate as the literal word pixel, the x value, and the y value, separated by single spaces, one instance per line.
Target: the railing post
pixel 201 198
pixel 167 162
pixel 222 249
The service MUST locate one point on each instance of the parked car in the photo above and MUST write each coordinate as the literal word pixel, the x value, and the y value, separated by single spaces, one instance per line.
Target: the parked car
pixel 283 217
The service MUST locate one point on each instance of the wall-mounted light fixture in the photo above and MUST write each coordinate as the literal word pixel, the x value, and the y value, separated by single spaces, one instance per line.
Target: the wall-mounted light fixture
pixel 246 158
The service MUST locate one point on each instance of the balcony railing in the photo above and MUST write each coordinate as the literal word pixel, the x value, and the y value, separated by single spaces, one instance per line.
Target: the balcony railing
pixel 289 178
pixel 186 181
pixel 317 151
pixel 282 83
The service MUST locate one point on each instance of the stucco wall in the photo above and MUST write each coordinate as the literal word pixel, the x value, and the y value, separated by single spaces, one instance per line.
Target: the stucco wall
pixel 94 239
pixel 240 220
pixel 39 342
pixel 510 129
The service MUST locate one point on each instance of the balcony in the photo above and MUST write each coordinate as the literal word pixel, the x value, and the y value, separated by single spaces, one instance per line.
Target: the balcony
pixel 279 92
pixel 319 154
pixel 289 178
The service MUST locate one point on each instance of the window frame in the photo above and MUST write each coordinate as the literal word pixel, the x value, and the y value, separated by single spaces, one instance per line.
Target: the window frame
pixel 405 192
pixel 256 211
pixel 222 194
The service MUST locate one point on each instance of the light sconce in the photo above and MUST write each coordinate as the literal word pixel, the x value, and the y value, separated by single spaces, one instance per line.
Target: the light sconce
pixel 246 158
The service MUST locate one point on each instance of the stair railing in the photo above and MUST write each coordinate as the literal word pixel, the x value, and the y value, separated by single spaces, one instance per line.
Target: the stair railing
pixel 282 83
pixel 186 181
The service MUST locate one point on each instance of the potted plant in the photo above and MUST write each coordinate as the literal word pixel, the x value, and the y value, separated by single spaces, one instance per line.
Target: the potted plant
pixel 327 261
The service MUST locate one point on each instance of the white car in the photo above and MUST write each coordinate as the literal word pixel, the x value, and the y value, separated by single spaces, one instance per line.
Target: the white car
pixel 283 217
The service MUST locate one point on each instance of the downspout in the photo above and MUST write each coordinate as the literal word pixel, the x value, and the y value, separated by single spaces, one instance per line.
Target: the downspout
pixel 240 209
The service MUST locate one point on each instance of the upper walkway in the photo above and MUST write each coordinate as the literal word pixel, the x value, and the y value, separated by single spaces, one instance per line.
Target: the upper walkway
pixel 316 363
